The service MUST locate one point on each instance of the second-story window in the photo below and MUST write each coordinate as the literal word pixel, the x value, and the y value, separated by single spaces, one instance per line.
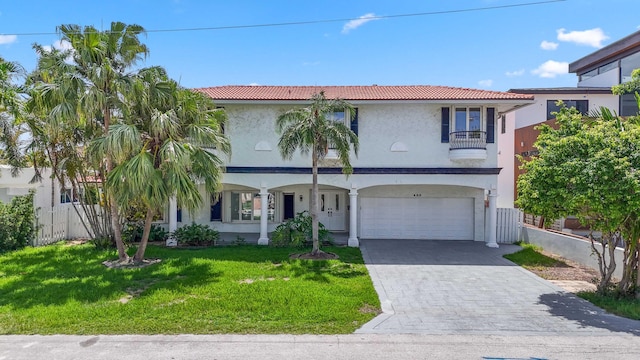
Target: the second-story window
pixel 468 119
pixel 461 124
pixel 343 117
pixel 580 105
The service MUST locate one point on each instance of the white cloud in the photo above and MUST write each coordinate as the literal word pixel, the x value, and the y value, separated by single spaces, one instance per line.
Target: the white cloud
pixel 7 39
pixel 254 84
pixel 58 44
pixel 515 73
pixel 593 37
pixel 551 69
pixel 548 45
pixel 485 83
pixel 62 45
pixel 353 24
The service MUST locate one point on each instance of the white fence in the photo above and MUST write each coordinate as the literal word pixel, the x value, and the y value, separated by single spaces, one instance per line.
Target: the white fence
pixel 57 224
pixel 509 225
pixel 62 223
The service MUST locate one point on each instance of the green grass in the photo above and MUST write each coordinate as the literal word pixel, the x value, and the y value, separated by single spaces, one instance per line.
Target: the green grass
pixel 531 258
pixel 626 307
pixel 247 289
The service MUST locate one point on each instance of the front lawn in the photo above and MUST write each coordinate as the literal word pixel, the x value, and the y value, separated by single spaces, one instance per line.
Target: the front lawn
pixel 64 289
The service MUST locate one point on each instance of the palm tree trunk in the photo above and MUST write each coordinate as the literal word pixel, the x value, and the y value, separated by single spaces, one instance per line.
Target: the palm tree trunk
pixel 314 204
pixel 139 256
pixel 113 207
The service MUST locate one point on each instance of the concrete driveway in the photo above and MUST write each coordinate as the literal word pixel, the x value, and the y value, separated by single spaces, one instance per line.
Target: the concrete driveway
pixel 464 287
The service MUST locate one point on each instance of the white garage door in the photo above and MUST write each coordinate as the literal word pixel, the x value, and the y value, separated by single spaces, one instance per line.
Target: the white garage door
pixel 417 218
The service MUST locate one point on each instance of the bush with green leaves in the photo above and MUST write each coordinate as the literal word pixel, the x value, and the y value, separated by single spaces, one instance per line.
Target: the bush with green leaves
pixel 17 220
pixel 196 235
pixel 296 232
pixel 132 232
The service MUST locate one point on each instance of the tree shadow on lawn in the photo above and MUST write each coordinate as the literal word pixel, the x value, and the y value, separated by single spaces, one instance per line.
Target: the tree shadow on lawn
pixel 586 314
pixel 54 275
pixel 322 270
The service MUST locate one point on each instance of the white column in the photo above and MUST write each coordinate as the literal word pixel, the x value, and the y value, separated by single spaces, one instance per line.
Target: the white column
pixel 264 216
pixel 173 220
pixel 353 218
pixel 493 219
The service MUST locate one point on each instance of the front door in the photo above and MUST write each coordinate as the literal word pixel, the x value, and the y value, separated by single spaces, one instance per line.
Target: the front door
pixel 331 208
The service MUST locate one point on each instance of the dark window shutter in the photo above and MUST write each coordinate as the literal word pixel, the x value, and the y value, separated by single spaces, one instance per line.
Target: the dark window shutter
pixel 179 215
pixel 354 122
pixel 491 125
pixel 444 135
pixel 216 210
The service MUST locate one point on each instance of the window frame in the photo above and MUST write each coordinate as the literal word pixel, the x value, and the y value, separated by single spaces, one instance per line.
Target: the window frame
pixel 66 195
pixel 238 216
pixel 568 104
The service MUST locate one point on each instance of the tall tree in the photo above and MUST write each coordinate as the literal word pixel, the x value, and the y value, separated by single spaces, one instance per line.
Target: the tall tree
pixel 312 130
pixel 11 102
pixel 164 147
pixel 589 168
pixel 57 132
pixel 88 90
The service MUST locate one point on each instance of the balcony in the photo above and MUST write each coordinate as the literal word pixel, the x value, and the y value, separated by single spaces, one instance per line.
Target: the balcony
pixel 468 145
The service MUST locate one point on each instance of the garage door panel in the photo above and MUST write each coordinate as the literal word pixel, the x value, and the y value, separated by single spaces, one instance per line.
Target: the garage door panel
pixel 417 218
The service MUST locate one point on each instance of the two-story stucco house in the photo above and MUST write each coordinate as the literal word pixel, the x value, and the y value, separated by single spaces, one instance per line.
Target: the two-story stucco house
pixel 427 166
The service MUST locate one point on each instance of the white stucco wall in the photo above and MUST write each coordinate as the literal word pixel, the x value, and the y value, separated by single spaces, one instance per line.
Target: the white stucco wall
pixel 506 155
pixel 391 135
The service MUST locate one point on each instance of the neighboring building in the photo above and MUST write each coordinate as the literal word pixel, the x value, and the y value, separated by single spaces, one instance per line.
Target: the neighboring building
pixel 609 66
pixel 597 73
pixel 517 130
pixel 427 166
pixel 12 186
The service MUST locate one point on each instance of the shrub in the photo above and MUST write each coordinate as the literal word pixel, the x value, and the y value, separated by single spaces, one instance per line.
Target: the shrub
pixel 103 243
pixel 196 235
pixel 17 221
pixel 132 232
pixel 297 232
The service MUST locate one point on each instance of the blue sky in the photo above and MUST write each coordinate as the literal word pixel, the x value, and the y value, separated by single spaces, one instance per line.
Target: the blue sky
pixel 497 49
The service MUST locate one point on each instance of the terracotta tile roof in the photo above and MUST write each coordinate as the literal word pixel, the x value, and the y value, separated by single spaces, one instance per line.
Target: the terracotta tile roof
pixel 373 92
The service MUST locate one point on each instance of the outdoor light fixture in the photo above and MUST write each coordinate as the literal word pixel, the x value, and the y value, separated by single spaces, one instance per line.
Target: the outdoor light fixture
pixel 300 197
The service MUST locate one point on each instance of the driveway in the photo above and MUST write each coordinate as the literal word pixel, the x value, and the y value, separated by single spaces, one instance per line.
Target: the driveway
pixel 464 287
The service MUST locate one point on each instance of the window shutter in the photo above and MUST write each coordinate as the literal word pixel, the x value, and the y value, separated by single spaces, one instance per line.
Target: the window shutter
pixel 179 215
pixel 354 122
pixel 491 125
pixel 444 135
pixel 216 210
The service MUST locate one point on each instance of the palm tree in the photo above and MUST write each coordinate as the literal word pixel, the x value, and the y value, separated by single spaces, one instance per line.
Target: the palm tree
pixel 163 147
pixel 10 110
pixel 87 92
pixel 57 129
pixel 311 130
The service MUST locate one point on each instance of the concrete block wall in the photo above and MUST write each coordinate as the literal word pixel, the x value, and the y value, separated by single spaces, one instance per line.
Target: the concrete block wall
pixel 569 247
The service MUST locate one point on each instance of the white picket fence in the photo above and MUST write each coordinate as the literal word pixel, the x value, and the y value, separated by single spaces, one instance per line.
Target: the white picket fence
pixel 59 223
pixel 509 227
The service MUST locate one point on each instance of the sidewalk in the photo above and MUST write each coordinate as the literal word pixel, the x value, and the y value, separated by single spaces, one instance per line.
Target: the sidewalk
pixel 305 347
